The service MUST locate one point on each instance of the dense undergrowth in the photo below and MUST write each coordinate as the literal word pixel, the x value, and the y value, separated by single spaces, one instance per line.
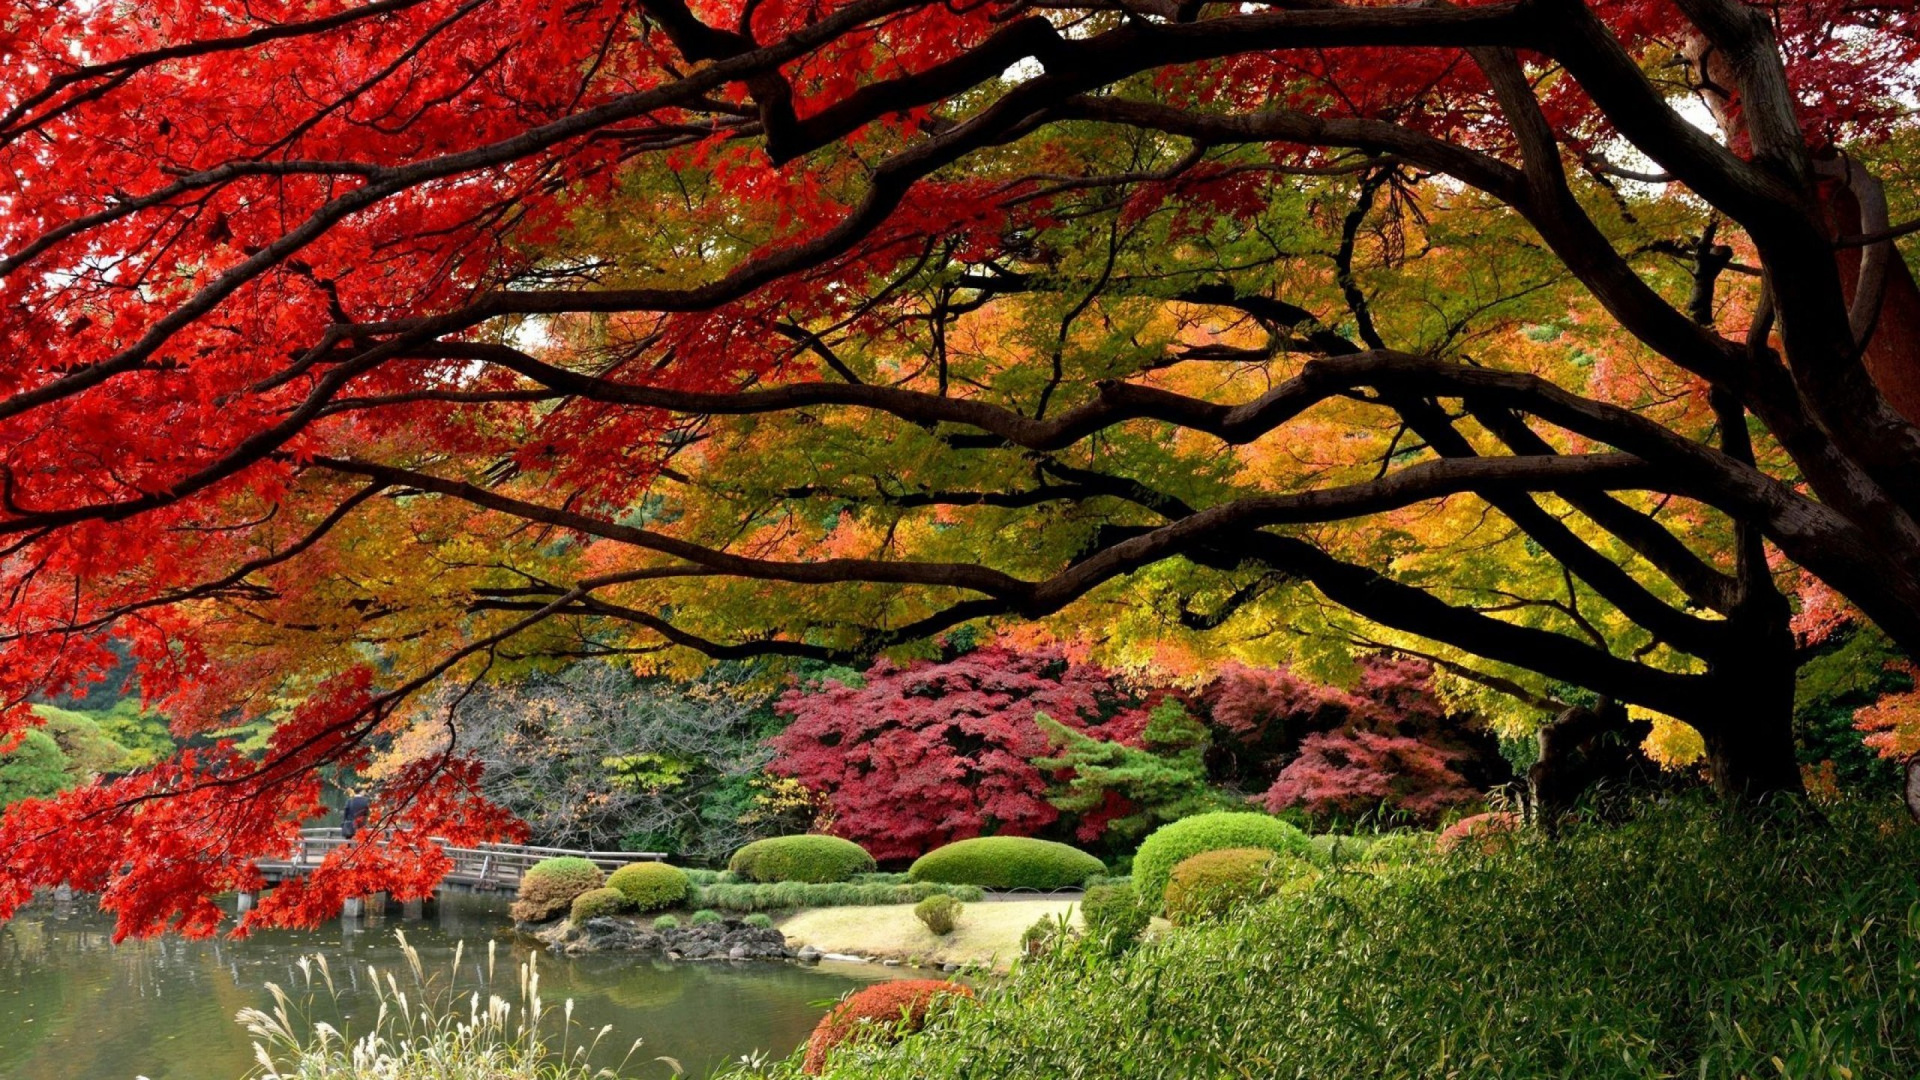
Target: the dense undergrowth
pixel 1687 943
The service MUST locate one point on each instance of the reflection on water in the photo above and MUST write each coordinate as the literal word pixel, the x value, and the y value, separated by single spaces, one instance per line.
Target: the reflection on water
pixel 74 1005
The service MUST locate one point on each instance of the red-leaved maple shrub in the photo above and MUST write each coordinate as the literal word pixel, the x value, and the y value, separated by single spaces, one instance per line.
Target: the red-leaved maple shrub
pixel 1395 748
pixel 880 1013
pixel 931 753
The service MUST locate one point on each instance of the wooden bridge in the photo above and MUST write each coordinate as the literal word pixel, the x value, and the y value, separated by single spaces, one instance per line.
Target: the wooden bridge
pixel 486 867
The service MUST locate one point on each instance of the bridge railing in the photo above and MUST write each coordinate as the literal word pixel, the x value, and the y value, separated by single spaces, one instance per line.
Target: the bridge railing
pixel 485 864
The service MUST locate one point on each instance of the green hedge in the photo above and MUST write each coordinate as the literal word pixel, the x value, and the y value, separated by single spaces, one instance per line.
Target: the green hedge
pixel 792 895
pixel 1178 841
pixel 1007 862
pixel 650 886
pixel 1691 942
pixel 595 903
pixel 1113 916
pixel 813 860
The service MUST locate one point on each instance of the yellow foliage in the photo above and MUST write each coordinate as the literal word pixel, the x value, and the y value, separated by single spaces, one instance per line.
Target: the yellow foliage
pixel 1672 744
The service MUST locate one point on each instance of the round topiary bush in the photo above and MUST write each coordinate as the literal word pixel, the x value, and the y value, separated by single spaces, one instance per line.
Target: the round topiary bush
pixel 1213 883
pixel 596 903
pixel 759 920
pixel 650 886
pixel 938 913
pixel 1007 862
pixel 548 888
pixel 1177 841
pixel 666 922
pixel 815 860
pixel 705 917
pixel 878 1015
pixel 1114 916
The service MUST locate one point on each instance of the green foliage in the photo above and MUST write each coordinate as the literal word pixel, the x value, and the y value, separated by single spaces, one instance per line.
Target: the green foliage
pixel 938 913
pixel 705 917
pixel 666 922
pixel 87 749
pixel 1830 687
pixel 1687 943
pixel 1114 917
pixel 759 920
pixel 650 886
pixel 1164 779
pixel 810 859
pixel 1399 849
pixel 880 878
pixel 596 903
pixel 548 888
pixel 144 734
pixel 1007 862
pixel 34 769
pixel 1173 844
pixel 1214 883
pixel 794 895
pixel 1339 849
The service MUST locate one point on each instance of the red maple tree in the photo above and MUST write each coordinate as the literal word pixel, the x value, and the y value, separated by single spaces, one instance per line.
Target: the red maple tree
pixel 273 276
pixel 930 753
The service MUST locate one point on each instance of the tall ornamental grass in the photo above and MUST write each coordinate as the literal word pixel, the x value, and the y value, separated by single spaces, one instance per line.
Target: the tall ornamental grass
pixel 425 1028
pixel 1690 943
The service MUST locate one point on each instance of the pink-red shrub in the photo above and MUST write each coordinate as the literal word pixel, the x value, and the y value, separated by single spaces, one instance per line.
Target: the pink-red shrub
pixel 928 754
pixel 1394 748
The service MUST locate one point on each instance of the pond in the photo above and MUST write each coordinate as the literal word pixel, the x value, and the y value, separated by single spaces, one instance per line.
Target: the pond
pixel 73 1004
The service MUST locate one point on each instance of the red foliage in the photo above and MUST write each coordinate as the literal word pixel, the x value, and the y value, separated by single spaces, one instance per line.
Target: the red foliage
pixel 929 754
pixel 197 195
pixel 881 1012
pixel 1481 833
pixel 1393 749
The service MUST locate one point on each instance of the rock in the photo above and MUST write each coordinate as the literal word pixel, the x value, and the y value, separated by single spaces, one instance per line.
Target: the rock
pixel 949 966
pixel 890 963
pixel 808 952
pixel 729 939
pixel 844 958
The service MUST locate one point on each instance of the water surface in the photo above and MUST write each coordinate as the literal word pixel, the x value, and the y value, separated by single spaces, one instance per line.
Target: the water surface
pixel 74 1006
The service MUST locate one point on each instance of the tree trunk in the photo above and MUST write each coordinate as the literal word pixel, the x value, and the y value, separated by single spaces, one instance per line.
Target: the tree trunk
pixel 1750 748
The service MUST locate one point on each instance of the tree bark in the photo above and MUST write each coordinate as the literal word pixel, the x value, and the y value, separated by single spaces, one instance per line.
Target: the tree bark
pixel 1750 744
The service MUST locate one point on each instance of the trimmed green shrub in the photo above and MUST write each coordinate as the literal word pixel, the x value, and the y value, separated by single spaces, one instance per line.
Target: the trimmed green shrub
pixel 703 877
pixel 1007 862
pixel 666 922
pixel 705 917
pixel 809 859
pixel 595 903
pixel 938 913
pixel 759 921
pixel 1214 883
pixel 1177 841
pixel 792 895
pixel 548 888
pixel 1691 942
pixel 881 878
pixel 650 886
pixel 1113 916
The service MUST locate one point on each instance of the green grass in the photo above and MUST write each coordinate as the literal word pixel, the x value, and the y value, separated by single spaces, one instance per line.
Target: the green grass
pixel 1689 943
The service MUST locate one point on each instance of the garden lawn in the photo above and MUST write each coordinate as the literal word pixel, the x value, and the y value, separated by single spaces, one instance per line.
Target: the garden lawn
pixel 986 933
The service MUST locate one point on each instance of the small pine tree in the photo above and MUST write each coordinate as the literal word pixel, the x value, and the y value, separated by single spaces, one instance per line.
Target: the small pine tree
pixel 1132 789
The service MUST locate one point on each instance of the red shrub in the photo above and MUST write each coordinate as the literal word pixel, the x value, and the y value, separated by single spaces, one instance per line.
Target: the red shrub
pixel 929 754
pixel 880 1013
pixel 1396 748
pixel 1482 833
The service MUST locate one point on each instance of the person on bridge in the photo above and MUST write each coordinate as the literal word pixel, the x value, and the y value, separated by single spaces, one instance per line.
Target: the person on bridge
pixel 354 814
